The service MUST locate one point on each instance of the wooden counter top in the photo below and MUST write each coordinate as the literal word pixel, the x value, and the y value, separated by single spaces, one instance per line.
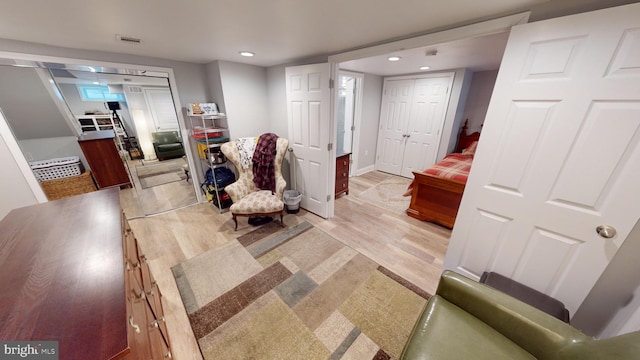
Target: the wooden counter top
pixel 62 275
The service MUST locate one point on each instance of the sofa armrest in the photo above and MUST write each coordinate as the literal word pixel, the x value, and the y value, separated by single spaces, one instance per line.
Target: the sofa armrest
pixel 537 332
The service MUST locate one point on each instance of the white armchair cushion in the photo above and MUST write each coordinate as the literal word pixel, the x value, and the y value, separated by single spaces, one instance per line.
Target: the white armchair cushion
pixel 257 202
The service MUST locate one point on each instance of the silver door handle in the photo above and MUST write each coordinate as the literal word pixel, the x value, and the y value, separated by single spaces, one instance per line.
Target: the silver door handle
pixel 606 231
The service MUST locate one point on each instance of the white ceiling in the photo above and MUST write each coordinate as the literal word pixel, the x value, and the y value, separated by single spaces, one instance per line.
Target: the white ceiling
pixel 278 31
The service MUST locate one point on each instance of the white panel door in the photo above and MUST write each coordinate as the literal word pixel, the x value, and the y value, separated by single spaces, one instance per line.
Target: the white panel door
pixel 428 110
pixel 162 109
pixel 394 118
pixel 308 103
pixel 559 156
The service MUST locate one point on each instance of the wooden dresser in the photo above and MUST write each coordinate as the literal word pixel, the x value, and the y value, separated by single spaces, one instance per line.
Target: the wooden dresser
pixel 72 272
pixel 99 148
pixel 342 174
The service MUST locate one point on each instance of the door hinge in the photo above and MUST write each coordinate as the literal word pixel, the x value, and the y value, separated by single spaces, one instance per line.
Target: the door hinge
pixel 330 83
pixel 328 198
pixel 353 128
pixel 329 146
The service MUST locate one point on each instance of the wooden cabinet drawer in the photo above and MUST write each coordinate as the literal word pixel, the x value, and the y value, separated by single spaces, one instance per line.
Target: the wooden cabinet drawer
pixel 342 175
pixel 157 337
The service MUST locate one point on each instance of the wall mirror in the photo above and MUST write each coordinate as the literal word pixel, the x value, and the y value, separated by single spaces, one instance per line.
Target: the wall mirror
pixel 48 105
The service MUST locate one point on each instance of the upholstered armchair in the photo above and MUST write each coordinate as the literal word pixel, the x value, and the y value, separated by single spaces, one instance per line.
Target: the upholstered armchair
pixel 248 200
pixel 469 320
pixel 167 144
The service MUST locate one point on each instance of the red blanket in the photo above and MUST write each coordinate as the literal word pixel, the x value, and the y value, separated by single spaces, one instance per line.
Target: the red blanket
pixel 454 166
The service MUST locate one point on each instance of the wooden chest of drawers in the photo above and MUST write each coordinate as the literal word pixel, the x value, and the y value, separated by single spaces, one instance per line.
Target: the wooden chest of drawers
pixel 342 174
pixel 72 272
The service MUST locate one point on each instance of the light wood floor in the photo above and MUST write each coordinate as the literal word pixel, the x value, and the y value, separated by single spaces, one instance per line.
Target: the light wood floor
pixel 410 248
pixel 155 199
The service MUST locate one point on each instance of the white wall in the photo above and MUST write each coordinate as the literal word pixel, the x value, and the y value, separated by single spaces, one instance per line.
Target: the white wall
pixel 277 95
pixel 371 99
pixel 613 300
pixel 245 99
pixel 14 189
pixel 454 119
pixel 478 99
pixel 44 149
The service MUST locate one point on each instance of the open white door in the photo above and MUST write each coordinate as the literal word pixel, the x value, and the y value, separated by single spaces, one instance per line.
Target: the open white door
pixel 558 156
pixel 309 107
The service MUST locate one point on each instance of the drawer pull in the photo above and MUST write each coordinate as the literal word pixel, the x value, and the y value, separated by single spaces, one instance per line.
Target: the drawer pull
pixel 168 355
pixel 151 292
pixel 344 174
pixel 144 257
pixel 344 185
pixel 155 324
pixel 142 295
pixel 344 163
pixel 136 327
pixel 138 264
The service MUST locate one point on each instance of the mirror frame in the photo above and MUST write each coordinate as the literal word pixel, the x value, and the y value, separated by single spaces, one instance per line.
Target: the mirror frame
pixel 52 62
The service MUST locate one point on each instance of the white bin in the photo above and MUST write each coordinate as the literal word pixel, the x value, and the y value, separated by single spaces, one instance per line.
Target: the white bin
pixel 292 200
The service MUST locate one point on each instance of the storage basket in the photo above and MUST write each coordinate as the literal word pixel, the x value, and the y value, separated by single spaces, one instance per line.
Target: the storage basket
pixel 68 186
pixel 57 168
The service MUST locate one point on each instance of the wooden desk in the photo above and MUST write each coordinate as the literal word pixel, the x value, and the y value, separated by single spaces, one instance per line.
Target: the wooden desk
pixel 67 277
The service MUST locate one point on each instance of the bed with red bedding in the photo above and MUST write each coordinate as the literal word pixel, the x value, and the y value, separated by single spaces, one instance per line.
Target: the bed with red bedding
pixel 437 191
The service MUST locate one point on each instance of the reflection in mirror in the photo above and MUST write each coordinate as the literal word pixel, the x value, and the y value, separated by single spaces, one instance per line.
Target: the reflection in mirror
pixel 345 114
pixel 47 109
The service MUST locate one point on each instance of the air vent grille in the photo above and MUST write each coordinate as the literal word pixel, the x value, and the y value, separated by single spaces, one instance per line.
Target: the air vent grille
pixel 128 39
pixel 135 89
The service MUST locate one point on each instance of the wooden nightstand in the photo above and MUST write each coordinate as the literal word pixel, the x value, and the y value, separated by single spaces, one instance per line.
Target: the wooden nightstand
pixel 342 174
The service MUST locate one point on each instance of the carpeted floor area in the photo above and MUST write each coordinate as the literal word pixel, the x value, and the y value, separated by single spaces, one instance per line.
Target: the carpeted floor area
pixel 388 194
pixel 295 293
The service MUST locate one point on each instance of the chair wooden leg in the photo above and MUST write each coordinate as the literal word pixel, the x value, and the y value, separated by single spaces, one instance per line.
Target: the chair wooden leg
pixel 235 220
pixel 282 219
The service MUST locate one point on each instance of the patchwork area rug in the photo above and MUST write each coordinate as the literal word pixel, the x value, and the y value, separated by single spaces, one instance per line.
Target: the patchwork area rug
pixel 295 293
pixel 388 195
pixel 160 173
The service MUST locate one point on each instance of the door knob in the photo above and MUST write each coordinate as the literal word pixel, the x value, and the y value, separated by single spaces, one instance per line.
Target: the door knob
pixel 606 231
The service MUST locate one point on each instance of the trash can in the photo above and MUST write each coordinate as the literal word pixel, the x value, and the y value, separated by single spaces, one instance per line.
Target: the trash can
pixel 292 201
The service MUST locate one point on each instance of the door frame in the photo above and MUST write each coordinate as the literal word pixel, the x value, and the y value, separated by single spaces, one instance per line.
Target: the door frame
pixel 482 28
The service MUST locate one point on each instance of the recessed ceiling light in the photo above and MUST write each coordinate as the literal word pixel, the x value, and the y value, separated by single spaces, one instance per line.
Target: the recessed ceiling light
pixel 246 53
pixel 425 67
pixel 394 58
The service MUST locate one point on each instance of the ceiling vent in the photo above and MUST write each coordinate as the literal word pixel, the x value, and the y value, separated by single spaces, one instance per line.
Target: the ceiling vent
pixel 128 39
pixel 135 89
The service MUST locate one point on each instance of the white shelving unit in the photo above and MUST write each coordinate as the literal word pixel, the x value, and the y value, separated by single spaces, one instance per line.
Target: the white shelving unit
pixel 207 134
pixel 103 122
pixel 99 122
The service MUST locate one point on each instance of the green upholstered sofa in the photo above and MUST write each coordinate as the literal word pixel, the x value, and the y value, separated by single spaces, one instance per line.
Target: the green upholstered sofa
pixel 167 144
pixel 469 320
